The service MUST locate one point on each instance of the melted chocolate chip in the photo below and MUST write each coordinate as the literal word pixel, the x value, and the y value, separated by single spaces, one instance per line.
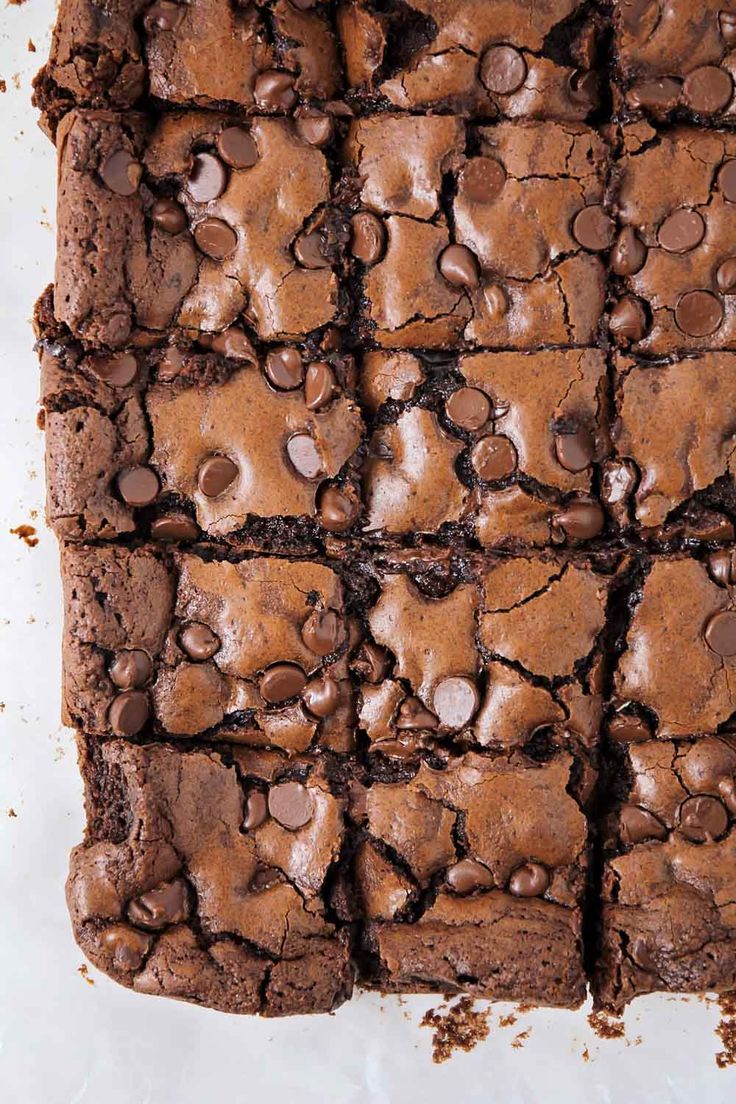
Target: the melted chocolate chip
pixel 291 804
pixel 707 89
pixel 503 70
pixel 468 408
pixel 455 701
pixel 468 875
pixel 138 486
pixel 529 880
pixel 169 216
pixel 580 519
pixel 367 237
pixel 237 147
pixel 681 231
pixel 199 641
pixel 174 527
pixel 628 254
pixel 459 266
pixel 215 475
pixel 338 509
pixel 319 385
pixel 720 633
pixel 321 696
pixel 274 91
pixel 115 371
pixel 702 819
pixel 207 178
pixel 121 173
pixel 131 669
pixel 308 250
pixel 284 368
pixel 256 810
pixel 281 682
pixel 481 179
pixel 698 313
pixel 575 450
pixel 637 824
pixel 215 238
pixel 129 712
pixel 493 457
pixel 166 904
pixel 593 229
pixel 627 321
pixel 323 632
pixel 304 456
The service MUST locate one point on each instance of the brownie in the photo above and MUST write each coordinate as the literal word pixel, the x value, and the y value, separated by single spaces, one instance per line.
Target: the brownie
pixel 668 920
pixel 203 883
pixel 182 443
pixel 191 223
pixel 673 197
pixel 487 236
pixel 275 56
pixel 675 58
pixel 476 57
pixel 471 876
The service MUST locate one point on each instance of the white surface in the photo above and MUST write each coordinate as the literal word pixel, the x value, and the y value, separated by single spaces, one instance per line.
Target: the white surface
pixel 63 1041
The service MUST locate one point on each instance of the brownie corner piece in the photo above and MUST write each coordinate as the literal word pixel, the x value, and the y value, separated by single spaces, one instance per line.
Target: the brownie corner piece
pixel 197 883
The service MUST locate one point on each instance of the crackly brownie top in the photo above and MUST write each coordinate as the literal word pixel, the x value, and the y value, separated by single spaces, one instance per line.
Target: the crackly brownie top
pixel 185 207
pixel 674 246
pixel 507 257
pixel 683 622
pixel 676 56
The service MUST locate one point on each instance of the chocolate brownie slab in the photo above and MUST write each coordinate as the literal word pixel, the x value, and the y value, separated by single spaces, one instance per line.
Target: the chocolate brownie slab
pixel 192 222
pixel 674 56
pixel 178 443
pixel 275 56
pixel 482 57
pixel 197 882
pixel 674 194
pixel 488 237
pixel 182 645
pixel 669 883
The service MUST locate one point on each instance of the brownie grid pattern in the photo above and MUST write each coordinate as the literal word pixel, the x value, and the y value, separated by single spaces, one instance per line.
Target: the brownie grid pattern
pixel 387 384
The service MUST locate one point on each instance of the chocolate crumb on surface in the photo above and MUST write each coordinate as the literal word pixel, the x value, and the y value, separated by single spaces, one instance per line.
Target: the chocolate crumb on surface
pixel 26 533
pixel 458 1026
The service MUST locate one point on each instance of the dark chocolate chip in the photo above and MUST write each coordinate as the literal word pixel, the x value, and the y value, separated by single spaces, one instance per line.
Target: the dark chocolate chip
pixel 121 173
pixel 308 250
pixel 720 633
pixel 582 88
pixel 237 147
pixel 215 238
pixel 575 450
pixel 727 27
pixel 282 681
pixel 629 728
pixel 459 266
pixel 169 216
pixel 627 321
pixel 131 669
pixel 372 662
pixel 284 368
pixel 304 456
pixel 207 178
pixel 338 510
pixel 314 127
pixel 127 946
pixel 681 231
pixel 215 475
pixel 592 228
pixel 367 237
pixel 138 486
pixel 636 825
pixel 708 89
pixel 274 91
pixel 256 810
pixel 503 70
pixel 174 527
pixel 628 254
pixel 455 701
pixel 116 371
pixel 235 344
pixel 468 875
pixel 199 641
pixel 660 94
pixel 323 631
pixel 481 179
pixel 321 696
pixel 698 313
pixel 468 408
pixel 726 276
pixel 166 904
pixel 170 364
pixel 493 457
pixel 727 180
pixel 529 880
pixel 291 804
pixel 722 567
pixel 580 519
pixel 414 714
pixel 129 712
pixel 702 819
pixel 319 385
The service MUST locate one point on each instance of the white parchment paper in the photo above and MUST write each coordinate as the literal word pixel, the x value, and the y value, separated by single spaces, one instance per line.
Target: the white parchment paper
pixel 66 1041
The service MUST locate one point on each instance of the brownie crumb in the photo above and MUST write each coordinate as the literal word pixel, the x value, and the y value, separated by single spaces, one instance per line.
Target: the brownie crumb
pixel 12 814
pixel 726 1031
pixel 3 86
pixel 606 1026
pixel 31 46
pixel 459 1026
pixel 27 534
pixel 85 974
pixel 521 1038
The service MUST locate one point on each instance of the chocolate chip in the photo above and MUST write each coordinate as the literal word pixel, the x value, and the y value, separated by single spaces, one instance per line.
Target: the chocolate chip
pixel 627 321
pixel 127 946
pixel 414 714
pixel 455 700
pixel 529 880
pixel 481 179
pixel 319 385
pixel 174 527
pixel 164 15
pixel 199 641
pixel 502 70
pixel 256 810
pixel 308 250
pixel 628 254
pixel 727 180
pixel 314 127
pixel 720 633
pixel 321 696
pixel 169 216
pixel 681 231
pixel 497 303
pixel 727 27
pixel 282 681
pixel 215 475
pixel 338 510
pixel 367 237
pixel 629 728
pixel 131 669
pixel 702 819
pixel 170 364
pixel 237 147
pixel 129 712
pixel 274 91
pixel 215 238
pixel 661 94
pixel 580 519
pixel 235 344
pixel 575 450
pixel 493 457
pixel 121 173
pixel 207 178
pixel 304 456
pixel 284 368
pixel 291 804
pixel 636 825
pixel 592 228
pixel 698 313
pixel 726 276
pixel 468 875
pixel 116 371
pixel 167 904
pixel 582 88
pixel 459 266
pixel 708 89
pixel 468 408
pixel 138 486
pixel 722 567
pixel 372 663
pixel 323 632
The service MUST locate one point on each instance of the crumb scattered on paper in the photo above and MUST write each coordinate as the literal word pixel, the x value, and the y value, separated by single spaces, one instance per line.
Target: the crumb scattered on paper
pixel 31 46
pixel 27 534
pixel 586 1054
pixel 606 1026
pixel 726 1031
pixel 507 1021
pixel 456 1026
pixel 519 1040
pixel 85 974
pixel 12 813
pixel 3 85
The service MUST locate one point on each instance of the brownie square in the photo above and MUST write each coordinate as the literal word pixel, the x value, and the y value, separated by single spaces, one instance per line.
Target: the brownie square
pixel 672 471
pixel 259 448
pixel 669 882
pixel 192 222
pixel 675 676
pixel 476 57
pixel 502 446
pixel 274 56
pixel 675 57
pixel 674 197
pixel 489 237
pixel 189 645
pixel 199 882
